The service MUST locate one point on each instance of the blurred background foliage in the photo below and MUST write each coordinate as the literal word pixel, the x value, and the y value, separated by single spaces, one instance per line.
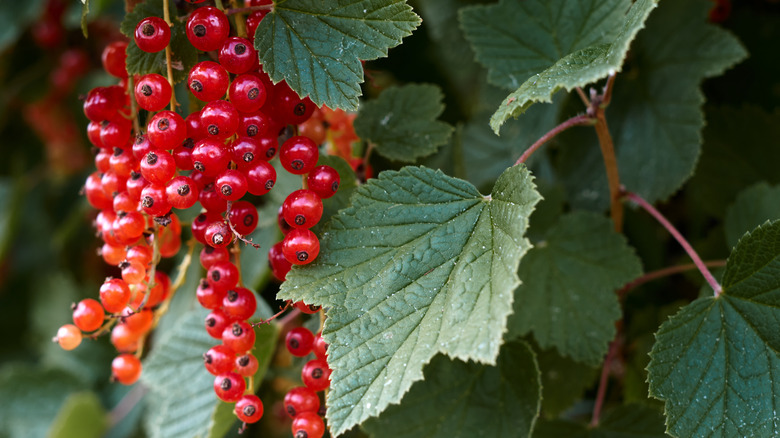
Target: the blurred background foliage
pixel 48 256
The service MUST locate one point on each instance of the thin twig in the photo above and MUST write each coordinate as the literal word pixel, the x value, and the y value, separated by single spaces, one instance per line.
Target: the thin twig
pixel 705 272
pixel 583 97
pixel 665 272
pixel 581 120
pixel 282 321
pixel 602 389
pixel 599 105
pixel 238 235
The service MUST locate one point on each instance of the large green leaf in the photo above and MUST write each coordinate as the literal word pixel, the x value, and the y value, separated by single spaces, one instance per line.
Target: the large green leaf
pixel 420 263
pixel 589 43
pixel 568 298
pixel 191 408
pixel 635 421
pixel 316 47
pixel 655 116
pixel 716 363
pixel 402 123
pixel 753 206
pixel 466 400
pixel 82 416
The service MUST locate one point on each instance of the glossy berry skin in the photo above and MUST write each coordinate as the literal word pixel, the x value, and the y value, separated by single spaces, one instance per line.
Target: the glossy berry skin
pixel 201 222
pixel 287 107
pixel 220 119
pixel 68 336
pixel 279 264
pixel 243 217
pixel 153 92
pixel 154 200
pixel 260 177
pixel 123 162
pixel 299 400
pixel 211 200
pixel 218 234
pixel 138 322
pixel 222 276
pixel 166 130
pixel 115 295
pixel 229 387
pixel 115 133
pixel 320 347
pixel 88 315
pixel 239 337
pixel 128 226
pixel 102 103
pixel 210 156
pixel 324 181
pixel 158 167
pixel 126 369
pixel 231 185
pixel 257 123
pixel 249 409
pixel 300 246
pixel 219 360
pixel 246 365
pixel 152 34
pixel 113 58
pixel 210 256
pixel 123 339
pixel 238 55
pixel 93 190
pixel 208 81
pixel 244 151
pixel 316 375
pixel 247 93
pixel 209 298
pixel 302 209
pixel 299 341
pixel 253 20
pixel 239 303
pixel 182 192
pixel 299 155
pixel 215 323
pixel 195 129
pixel 207 28
pixel 308 425
pixel 182 154
pixel 141 146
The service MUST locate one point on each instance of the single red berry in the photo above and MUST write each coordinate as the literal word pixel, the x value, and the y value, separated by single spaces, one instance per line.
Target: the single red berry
pixel 210 156
pixel 279 264
pixel 138 322
pixel 201 222
pixel 308 309
pixel 182 154
pixel 300 246
pixel 216 322
pixel 253 20
pixel 128 226
pixel 218 234
pixel 260 177
pixel 123 162
pixel 316 374
pixel 141 253
pixel 141 146
pixel 239 303
pixel 208 81
pixel 257 123
pixel 68 336
pixel 229 387
pixel 113 58
pixel 112 254
pixel 210 255
pixel 247 93
pixel 166 130
pixel 208 297
pixel 115 133
pixel 153 92
pixel 222 276
pixel 219 360
pixel 302 209
pixel 220 119
pixel 308 425
pixel 243 217
pixel 93 135
pixel 246 365
pixel 152 34
pixel 207 28
pixel 96 196
pixel 135 185
pixel 182 192
pixel 238 55
pixel 287 107
pixel 324 181
pixel 154 200
pixel 299 155
pixel 126 369
pixel 249 409
pixel 299 400
pixel 244 151
pixel 231 185
pixel 239 336
pixel 320 347
pixel 115 295
pixel 103 103
pixel 299 341
pixel 158 167
pixel 88 315
pixel 211 200
pixel 195 129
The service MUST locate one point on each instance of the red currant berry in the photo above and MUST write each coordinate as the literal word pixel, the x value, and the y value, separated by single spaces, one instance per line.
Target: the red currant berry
pixel 243 217
pixel 260 178
pixel 132 272
pixel 299 341
pixel 239 336
pixel 158 167
pixel 300 246
pixel 320 347
pixel 126 369
pixel 287 107
pixel 238 55
pixel 324 181
pixel 138 322
pixel 207 28
pixel 208 297
pixel 115 295
pixel 166 130
pixel 182 192
pixel 208 81
pixel 211 200
pixel 302 209
pixel 220 119
pixel 96 196
pixel 112 255
pixel 152 34
pixel 216 322
pixel 253 20
pixel 229 387
pixel 222 276
pixel 299 400
pixel 141 146
pixel 299 155
pixel 135 185
pixel 279 264
pixel 182 154
pixel 231 185
pixel 218 234
pixel 140 253
pixel 247 93
pixel 210 157
pixel 123 162
pixel 68 336
pixel 154 200
pixel 210 255
pixel 153 92
pixel 195 129
pixel 308 425
pixel 316 375
pixel 113 58
pixel 201 222
pixel 128 226
pixel 123 203
pixel 249 409
pixel 88 315
pixel 256 124
pixel 219 360
pixel 246 365
pixel 239 303
pixel 115 133
pixel 93 135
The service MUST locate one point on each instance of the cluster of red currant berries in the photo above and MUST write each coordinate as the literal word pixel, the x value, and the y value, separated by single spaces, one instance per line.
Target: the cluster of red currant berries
pixel 211 159
pixel 302 403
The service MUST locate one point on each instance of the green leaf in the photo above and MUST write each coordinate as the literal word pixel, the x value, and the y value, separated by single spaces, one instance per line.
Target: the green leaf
pixel 715 363
pixel 421 263
pixel 316 47
pixel 189 408
pixel 183 54
pixel 753 206
pixel 458 399
pixel 402 123
pixel 635 421
pixel 735 155
pixel 563 381
pixel 31 397
pixel 574 43
pixel 655 116
pixel 568 298
pixel 82 416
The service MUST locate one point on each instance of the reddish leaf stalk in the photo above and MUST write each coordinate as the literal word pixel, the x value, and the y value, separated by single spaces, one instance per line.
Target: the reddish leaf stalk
pixel 581 120
pixel 599 105
pixel 665 272
pixel 705 272
pixel 602 389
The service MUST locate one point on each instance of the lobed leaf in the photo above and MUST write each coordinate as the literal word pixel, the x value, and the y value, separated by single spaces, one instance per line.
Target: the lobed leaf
pixel 715 363
pixel 316 47
pixel 402 124
pixel 421 263
pixel 464 399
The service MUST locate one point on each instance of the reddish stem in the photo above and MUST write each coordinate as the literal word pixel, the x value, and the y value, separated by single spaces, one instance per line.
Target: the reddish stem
pixel 664 272
pixel 580 120
pixel 287 305
pixel 602 390
pixel 705 272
